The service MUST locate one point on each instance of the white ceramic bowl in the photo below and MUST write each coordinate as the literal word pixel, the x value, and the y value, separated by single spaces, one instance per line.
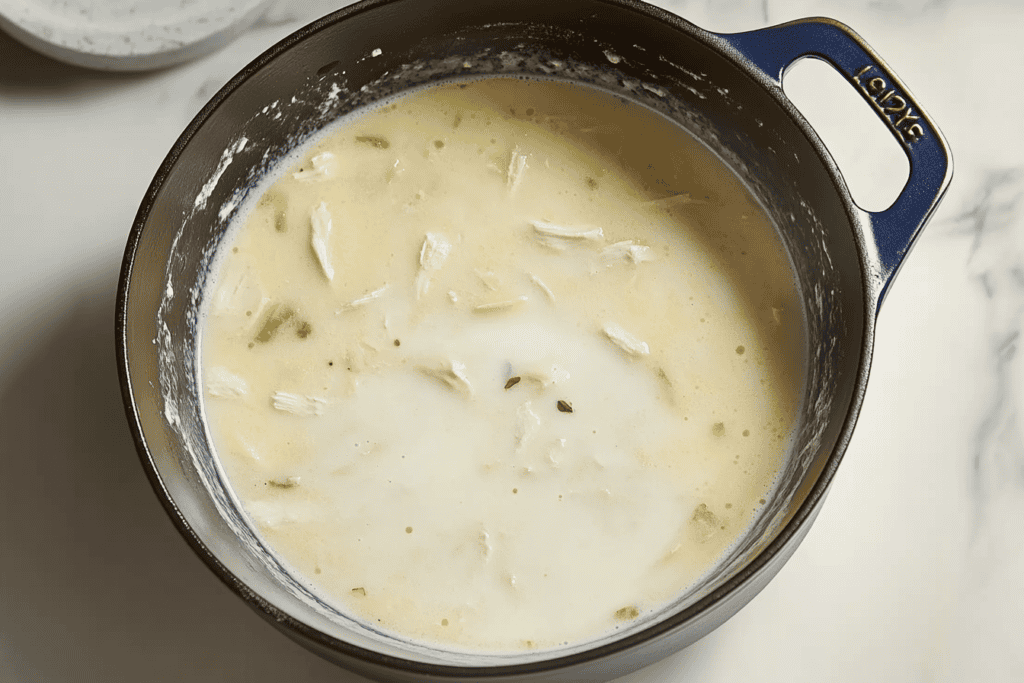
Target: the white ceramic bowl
pixel 127 35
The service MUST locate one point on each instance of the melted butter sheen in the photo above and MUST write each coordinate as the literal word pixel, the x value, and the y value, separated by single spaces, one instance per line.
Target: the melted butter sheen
pixel 503 365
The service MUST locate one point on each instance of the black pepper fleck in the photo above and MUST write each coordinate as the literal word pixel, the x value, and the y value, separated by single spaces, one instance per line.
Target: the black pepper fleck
pixel 564 406
pixel 512 381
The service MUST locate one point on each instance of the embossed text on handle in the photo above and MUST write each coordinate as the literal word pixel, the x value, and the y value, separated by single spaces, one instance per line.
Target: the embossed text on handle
pixel 894 107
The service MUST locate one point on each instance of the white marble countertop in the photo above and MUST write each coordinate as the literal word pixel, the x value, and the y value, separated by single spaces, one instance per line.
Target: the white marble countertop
pixel 912 572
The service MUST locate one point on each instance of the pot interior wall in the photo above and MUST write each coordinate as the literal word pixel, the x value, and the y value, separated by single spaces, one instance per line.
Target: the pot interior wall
pixel 309 81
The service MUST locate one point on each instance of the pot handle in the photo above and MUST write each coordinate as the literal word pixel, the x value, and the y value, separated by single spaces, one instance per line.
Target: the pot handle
pixel 773 50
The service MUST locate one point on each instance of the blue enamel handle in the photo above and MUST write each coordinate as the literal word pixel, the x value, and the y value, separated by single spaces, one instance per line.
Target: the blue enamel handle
pixel 773 50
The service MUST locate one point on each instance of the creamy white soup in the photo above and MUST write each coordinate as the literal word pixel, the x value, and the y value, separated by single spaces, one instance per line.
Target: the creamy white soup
pixel 502 364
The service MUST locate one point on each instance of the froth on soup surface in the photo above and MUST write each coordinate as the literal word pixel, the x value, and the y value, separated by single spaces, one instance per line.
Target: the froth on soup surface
pixel 502 364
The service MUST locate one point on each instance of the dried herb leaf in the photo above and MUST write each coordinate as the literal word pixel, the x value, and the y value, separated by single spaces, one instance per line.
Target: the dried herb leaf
pixel 374 140
pixel 512 381
pixel 704 523
pixel 277 315
pixel 627 613
pixel 564 407
pixel 277 202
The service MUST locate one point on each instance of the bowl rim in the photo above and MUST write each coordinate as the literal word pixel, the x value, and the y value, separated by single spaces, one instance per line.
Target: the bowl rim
pixel 123 45
pixel 789 533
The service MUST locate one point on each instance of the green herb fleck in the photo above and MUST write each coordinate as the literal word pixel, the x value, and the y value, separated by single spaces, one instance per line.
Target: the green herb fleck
pixel 627 613
pixel 277 316
pixel 374 140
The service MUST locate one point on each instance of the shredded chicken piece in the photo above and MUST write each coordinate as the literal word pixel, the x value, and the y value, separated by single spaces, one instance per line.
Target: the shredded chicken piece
pixel 324 166
pixel 297 404
pixel 271 514
pixel 676 199
pixel 488 279
pixel 543 287
pixel 627 251
pixel 484 539
pixel 546 376
pixel 320 219
pixel 516 169
pixel 526 426
pixel 240 292
pixel 451 373
pixel 501 305
pixel 223 383
pixel 363 300
pixel 555 453
pixel 555 236
pixel 434 252
pixel 625 341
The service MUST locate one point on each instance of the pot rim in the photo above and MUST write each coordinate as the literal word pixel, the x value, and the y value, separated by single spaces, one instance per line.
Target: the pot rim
pixel 803 515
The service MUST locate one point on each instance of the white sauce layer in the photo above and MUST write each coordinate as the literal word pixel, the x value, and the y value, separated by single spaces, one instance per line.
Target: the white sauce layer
pixel 503 364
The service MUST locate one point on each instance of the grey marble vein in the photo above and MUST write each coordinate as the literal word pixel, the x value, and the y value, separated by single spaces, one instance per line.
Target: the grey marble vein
pixel 996 263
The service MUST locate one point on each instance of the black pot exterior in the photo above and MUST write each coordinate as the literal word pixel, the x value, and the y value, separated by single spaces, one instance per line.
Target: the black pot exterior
pixel 378 48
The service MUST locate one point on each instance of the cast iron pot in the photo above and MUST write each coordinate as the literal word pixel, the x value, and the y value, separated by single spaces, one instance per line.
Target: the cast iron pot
pixel 725 89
